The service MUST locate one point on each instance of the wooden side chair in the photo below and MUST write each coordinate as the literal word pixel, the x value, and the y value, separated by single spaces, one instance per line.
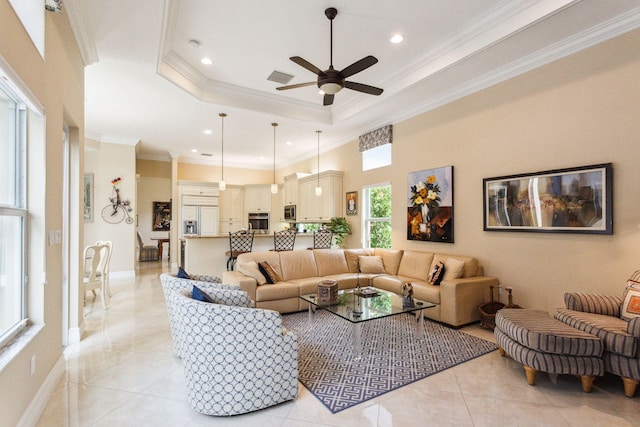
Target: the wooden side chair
pixel 93 277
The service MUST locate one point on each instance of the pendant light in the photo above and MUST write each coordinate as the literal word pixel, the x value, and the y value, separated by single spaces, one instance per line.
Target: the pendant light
pixel 222 185
pixel 318 188
pixel 274 186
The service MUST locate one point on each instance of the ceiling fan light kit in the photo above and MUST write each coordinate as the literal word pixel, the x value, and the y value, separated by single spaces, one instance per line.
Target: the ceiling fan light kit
pixel 332 81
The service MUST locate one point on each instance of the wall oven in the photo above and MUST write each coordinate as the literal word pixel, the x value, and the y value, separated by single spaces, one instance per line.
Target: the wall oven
pixel 290 213
pixel 259 222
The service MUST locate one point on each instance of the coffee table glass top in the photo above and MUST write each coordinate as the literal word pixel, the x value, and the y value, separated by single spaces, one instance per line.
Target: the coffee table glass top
pixel 381 304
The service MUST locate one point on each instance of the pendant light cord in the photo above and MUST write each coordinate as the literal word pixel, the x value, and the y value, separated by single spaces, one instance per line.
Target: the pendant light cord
pixel 222 116
pixel 274 151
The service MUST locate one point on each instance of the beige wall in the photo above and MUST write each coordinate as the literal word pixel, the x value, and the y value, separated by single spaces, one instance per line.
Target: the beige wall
pixel 107 162
pixel 58 83
pixel 232 175
pixel 578 111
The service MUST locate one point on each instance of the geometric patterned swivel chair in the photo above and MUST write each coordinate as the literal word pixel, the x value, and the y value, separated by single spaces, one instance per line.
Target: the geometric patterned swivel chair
pixel 236 359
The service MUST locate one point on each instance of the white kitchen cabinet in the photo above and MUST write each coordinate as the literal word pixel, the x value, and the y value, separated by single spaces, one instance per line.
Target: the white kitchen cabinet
pixel 312 208
pixel 277 205
pixel 291 188
pixel 199 190
pixel 257 198
pixel 227 226
pixel 209 220
pixel 232 204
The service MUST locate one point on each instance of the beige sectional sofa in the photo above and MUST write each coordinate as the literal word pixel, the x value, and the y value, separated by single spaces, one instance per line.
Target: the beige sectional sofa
pixel 456 299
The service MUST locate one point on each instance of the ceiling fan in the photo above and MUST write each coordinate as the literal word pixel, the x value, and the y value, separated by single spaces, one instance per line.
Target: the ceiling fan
pixel 332 81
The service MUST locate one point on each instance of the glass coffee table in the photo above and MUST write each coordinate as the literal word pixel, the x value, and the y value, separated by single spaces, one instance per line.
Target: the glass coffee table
pixel 368 304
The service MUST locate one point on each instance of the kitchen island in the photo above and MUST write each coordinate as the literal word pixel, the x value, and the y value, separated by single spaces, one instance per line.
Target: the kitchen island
pixel 206 255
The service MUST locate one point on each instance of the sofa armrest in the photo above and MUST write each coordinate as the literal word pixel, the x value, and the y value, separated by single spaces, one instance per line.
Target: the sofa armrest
pixel 246 283
pixel 460 298
pixel 607 305
pixel 634 327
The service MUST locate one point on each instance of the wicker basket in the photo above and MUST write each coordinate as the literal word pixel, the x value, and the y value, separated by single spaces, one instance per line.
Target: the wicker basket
pixel 488 311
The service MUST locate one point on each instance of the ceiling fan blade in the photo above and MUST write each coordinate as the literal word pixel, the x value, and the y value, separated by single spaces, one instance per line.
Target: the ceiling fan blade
pixel 328 99
pixel 306 64
pixel 371 90
pixel 296 86
pixel 358 66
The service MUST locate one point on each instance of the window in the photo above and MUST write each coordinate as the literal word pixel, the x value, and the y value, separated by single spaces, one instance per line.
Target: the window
pixel 376 157
pixel 13 214
pixel 377 216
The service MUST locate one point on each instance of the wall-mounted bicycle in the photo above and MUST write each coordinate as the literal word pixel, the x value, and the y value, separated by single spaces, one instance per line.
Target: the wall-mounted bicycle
pixel 118 209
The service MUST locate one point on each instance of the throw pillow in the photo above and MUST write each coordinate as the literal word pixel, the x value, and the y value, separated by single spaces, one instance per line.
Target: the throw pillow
pixel 631 302
pixel 371 264
pixel 251 269
pixel 183 274
pixel 200 295
pixel 269 273
pixel 453 268
pixel 437 274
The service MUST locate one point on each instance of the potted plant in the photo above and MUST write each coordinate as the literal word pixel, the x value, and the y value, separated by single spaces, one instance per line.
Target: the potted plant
pixel 340 227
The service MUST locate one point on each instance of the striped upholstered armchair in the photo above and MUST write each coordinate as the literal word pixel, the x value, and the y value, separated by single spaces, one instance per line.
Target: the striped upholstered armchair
pixel 615 320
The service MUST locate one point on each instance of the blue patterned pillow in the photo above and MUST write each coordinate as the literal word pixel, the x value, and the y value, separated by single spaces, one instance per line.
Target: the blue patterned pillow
pixel 183 274
pixel 200 295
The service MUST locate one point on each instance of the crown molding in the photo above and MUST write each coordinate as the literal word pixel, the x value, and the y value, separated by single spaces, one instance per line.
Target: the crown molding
pixel 84 40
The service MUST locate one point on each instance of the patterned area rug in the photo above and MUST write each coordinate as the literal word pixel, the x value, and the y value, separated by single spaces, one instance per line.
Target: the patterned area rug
pixel 391 355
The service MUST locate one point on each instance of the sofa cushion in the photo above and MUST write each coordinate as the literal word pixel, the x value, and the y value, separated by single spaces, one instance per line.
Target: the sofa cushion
pixel 200 295
pixel 351 255
pixel 607 305
pixel 269 272
pixel 330 261
pixel 251 269
pixel 453 268
pixel 298 265
pixel 437 274
pixel 390 258
pixel 470 263
pixel 630 301
pixel 277 291
pixel 272 257
pixel 371 264
pixel 612 330
pixel 415 264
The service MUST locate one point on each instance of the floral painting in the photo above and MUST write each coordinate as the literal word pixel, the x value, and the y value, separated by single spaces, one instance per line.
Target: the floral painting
pixel 430 205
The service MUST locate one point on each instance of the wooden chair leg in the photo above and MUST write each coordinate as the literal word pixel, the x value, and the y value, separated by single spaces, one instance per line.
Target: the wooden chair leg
pixel 629 386
pixel 587 382
pixel 531 375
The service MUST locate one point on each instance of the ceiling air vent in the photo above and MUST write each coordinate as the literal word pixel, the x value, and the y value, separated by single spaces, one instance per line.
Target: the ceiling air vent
pixel 280 77
pixel 206 154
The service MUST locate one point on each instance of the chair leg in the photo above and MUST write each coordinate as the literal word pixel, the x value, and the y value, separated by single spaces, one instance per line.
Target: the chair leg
pixel 629 386
pixel 587 382
pixel 531 375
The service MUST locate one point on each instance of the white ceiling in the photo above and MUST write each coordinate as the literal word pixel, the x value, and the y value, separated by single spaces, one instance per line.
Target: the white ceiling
pixel 146 85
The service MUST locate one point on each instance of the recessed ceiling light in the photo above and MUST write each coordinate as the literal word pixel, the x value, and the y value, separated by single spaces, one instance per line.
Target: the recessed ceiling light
pixel 193 150
pixel 261 157
pixel 194 43
pixel 206 61
pixel 288 142
pixel 397 38
pixel 207 132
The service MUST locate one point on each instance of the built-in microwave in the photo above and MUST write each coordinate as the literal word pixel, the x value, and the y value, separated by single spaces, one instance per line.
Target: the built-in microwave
pixel 290 212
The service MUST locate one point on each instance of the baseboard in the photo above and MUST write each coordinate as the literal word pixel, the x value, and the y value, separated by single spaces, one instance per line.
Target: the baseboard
pixel 39 403
pixel 74 336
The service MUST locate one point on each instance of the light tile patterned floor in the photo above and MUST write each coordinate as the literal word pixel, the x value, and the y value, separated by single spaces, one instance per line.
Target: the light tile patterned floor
pixel 123 373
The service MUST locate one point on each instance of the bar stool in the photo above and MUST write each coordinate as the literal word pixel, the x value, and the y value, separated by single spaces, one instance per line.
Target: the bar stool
pixel 322 239
pixel 284 240
pixel 240 242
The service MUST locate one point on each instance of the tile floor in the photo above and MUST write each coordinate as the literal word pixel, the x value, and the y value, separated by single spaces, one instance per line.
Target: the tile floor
pixel 123 373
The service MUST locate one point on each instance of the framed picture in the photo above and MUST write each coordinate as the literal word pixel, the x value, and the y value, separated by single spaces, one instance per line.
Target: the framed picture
pixel 161 216
pixel 352 203
pixel 88 197
pixel 430 205
pixel 574 200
